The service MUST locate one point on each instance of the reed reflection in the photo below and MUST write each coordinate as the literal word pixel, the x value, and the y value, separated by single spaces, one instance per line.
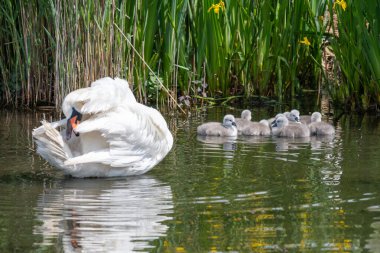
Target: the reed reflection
pixel 94 215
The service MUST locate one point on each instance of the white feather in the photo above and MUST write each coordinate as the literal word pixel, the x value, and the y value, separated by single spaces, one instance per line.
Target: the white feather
pixel 117 135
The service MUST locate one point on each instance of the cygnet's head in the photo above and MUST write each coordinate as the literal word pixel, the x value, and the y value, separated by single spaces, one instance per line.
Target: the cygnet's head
pixel 316 117
pixel 280 114
pixel 281 121
pixel 229 121
pixel 293 115
pixel 246 114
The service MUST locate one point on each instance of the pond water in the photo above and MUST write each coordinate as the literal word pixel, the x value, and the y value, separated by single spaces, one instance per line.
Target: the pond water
pixel 208 195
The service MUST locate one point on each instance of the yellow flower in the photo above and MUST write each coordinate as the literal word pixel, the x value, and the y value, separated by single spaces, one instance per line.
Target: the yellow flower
pixel 342 4
pixel 180 249
pixel 216 7
pixel 305 41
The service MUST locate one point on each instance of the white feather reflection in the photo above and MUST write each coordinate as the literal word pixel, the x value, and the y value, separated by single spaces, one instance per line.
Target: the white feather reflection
pixel 373 242
pixel 103 215
pixel 322 142
pixel 285 144
pixel 228 143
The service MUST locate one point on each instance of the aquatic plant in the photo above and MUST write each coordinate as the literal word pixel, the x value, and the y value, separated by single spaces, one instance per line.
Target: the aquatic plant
pixel 356 45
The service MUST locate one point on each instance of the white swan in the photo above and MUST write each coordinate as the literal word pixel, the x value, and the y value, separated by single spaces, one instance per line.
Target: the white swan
pixel 317 127
pixel 114 135
pixel 225 129
pixel 282 128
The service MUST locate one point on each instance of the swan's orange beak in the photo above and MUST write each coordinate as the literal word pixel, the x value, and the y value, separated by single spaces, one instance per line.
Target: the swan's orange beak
pixel 72 123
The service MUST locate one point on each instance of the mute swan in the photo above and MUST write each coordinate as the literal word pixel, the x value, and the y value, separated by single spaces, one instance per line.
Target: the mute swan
pixel 114 134
pixel 293 116
pixel 242 122
pixel 257 128
pixel 282 128
pixel 271 120
pixel 227 128
pixel 317 127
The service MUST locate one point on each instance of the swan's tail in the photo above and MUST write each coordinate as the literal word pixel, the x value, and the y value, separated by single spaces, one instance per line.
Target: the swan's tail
pixel 50 144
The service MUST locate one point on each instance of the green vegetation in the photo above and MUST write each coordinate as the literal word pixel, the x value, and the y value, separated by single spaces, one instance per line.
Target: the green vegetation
pixel 357 50
pixel 195 48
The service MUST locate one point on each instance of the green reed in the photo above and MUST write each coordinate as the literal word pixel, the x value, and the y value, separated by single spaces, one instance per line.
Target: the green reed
pixel 357 48
pixel 234 48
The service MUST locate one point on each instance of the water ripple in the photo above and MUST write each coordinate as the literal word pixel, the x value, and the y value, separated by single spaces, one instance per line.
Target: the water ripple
pixel 105 215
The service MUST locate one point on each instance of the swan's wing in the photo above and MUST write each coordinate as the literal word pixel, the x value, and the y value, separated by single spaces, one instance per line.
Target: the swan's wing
pixel 137 136
pixel 241 124
pixel 209 128
pixel 42 129
pixel 50 144
pixel 103 95
pixel 321 128
pixel 295 130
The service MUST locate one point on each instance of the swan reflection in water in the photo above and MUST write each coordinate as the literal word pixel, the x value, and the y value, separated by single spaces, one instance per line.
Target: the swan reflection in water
pixel 373 242
pixel 228 143
pixel 286 144
pixel 107 215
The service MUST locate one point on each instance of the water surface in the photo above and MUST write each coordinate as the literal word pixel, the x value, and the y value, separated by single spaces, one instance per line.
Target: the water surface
pixel 257 194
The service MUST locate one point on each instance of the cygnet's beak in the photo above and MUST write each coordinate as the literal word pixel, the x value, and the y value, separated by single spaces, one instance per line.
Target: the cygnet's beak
pixel 297 119
pixel 234 124
pixel 274 124
pixel 72 123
